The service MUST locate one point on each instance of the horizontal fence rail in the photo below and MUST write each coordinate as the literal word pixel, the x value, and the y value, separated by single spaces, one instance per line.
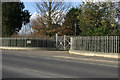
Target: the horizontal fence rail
pixel 105 44
pixel 27 42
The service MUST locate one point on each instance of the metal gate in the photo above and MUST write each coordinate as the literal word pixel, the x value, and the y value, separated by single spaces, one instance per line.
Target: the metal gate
pixel 62 42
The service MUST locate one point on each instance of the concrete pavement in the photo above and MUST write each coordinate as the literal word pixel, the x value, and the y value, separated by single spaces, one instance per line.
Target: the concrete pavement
pixel 98 54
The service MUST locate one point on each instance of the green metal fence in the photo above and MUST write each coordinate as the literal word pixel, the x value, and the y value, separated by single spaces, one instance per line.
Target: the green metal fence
pixel 27 42
pixel 105 44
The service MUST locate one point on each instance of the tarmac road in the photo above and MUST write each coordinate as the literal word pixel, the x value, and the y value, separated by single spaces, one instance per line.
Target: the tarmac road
pixel 56 66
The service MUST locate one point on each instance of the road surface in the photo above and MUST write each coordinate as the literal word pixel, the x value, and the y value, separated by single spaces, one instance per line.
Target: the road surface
pixel 18 65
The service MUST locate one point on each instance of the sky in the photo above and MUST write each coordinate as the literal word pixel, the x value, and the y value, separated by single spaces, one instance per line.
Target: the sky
pixel 31 6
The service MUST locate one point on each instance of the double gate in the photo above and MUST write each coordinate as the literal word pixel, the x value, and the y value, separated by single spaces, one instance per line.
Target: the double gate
pixel 62 42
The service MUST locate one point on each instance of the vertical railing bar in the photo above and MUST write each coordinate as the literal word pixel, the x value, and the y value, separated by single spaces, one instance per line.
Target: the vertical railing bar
pixel 108 44
pixel 95 43
pixel 64 42
pixel 87 43
pixel 119 44
pixel 105 44
pixel 90 43
pixel 84 44
pixel 112 44
pixel 98 44
pixel 101 44
pixel 116 44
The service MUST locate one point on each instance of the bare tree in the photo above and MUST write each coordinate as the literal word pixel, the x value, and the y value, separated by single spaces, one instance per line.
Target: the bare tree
pixel 51 12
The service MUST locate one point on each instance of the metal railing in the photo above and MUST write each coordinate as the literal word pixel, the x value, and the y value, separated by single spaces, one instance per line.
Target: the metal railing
pixel 105 44
pixel 27 42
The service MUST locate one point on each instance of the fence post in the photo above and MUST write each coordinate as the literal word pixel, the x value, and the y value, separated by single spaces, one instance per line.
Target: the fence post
pixel 56 40
pixel 25 42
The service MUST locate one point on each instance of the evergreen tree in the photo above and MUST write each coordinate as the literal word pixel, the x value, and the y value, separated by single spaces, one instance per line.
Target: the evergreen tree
pixel 0 19
pixel 97 19
pixel 70 21
pixel 13 16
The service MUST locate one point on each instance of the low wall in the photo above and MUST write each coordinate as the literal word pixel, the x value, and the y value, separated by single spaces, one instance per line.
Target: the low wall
pixel 98 54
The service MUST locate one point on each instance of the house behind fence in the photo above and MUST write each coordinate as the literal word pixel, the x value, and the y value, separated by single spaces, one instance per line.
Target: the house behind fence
pixel 105 44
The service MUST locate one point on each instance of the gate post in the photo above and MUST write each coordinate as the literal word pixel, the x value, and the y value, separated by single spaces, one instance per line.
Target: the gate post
pixel 56 41
pixel 64 41
pixel 71 43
